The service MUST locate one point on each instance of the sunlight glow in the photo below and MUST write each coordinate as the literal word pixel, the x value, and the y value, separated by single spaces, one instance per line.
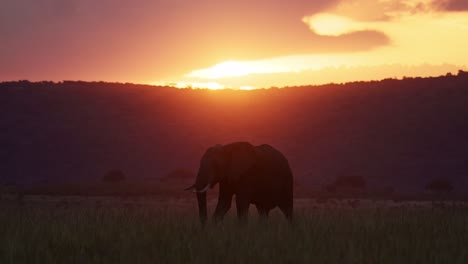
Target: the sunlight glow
pixel 194 85
pixel 224 69
pixel 332 25
pixel 247 87
pixel 428 53
pixel 237 69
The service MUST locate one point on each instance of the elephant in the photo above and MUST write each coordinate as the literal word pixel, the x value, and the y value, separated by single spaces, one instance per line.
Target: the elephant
pixel 258 175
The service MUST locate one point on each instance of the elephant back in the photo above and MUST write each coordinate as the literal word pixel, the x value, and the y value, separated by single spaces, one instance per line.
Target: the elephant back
pixel 269 153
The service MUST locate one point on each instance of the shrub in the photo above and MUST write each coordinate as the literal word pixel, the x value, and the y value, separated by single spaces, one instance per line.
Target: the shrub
pixel 439 185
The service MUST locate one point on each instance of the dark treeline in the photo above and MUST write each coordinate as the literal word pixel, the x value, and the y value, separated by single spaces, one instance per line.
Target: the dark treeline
pixel 398 133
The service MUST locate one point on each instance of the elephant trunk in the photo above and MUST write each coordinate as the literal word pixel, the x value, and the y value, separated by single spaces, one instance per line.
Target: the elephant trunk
pixel 201 198
pixel 205 180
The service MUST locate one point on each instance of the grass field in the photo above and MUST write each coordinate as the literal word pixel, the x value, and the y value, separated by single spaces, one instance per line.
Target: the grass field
pixel 94 232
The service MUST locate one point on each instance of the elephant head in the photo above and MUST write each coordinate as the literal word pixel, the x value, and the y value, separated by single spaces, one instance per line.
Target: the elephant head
pixel 226 162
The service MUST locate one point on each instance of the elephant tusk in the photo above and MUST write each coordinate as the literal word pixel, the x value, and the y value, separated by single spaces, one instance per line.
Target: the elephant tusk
pixel 203 190
pixel 191 188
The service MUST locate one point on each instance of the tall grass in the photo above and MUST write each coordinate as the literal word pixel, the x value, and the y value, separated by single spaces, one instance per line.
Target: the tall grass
pixel 149 235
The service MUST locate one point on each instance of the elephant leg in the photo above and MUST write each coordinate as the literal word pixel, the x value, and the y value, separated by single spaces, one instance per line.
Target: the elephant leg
pixel 287 210
pixel 263 212
pixel 224 204
pixel 242 204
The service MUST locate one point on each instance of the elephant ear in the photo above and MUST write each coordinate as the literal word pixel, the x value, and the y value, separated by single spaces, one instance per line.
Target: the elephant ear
pixel 242 157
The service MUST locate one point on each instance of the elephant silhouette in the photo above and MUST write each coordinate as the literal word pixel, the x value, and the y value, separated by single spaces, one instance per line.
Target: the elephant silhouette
pixel 258 175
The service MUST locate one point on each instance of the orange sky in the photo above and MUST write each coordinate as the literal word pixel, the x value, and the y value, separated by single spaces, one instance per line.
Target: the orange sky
pixel 239 44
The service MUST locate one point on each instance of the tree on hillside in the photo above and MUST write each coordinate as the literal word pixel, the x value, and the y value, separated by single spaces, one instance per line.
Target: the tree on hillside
pixel 439 185
pixel 462 73
pixel 113 176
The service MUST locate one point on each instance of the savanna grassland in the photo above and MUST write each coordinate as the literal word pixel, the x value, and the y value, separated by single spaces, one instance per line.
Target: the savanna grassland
pixel 148 230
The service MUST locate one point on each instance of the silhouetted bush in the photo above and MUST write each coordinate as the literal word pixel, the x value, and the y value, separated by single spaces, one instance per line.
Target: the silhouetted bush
pixel 114 176
pixel 439 185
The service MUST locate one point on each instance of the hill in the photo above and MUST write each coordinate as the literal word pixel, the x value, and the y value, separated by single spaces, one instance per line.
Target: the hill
pixel 399 133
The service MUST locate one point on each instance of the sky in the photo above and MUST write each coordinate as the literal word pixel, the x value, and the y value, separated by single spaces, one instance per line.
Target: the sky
pixel 237 44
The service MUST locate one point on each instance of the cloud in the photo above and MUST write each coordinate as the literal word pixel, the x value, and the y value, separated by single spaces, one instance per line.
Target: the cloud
pixel 334 29
pixel 349 42
pixel 382 10
pixel 451 5
pixel 458 5
pixel 387 10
